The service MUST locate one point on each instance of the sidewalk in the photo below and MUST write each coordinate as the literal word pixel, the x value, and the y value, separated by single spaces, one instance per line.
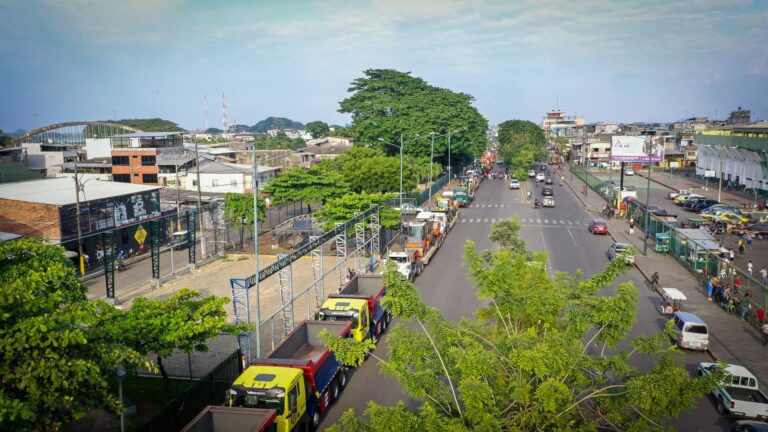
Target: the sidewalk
pixel 680 181
pixel 731 339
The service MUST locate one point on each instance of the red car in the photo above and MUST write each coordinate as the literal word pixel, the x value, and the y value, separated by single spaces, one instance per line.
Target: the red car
pixel 598 226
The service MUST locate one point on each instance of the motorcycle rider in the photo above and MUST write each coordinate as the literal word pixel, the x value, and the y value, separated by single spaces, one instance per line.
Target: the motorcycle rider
pixel 121 261
pixel 536 203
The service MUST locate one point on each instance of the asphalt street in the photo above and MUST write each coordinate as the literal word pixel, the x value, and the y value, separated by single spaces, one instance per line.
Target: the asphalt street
pixel 562 233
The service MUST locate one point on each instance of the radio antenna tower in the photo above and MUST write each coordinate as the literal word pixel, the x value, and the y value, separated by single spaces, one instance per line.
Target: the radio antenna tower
pixel 224 111
pixel 205 107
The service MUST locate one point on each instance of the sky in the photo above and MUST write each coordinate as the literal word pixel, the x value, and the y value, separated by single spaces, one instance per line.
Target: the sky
pixel 609 61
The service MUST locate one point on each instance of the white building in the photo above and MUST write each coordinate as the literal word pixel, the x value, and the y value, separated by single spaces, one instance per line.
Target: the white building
pixel 225 177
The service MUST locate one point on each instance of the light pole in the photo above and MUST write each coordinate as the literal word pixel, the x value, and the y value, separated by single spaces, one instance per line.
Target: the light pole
pixel 120 373
pixel 401 166
pixel 255 187
pixel 431 164
pixel 647 232
pixel 78 187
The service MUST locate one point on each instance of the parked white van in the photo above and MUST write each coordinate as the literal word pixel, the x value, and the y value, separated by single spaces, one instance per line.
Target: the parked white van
pixel 691 332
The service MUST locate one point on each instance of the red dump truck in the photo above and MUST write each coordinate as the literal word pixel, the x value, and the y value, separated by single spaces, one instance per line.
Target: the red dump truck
pixel 299 379
pixel 230 419
pixel 360 303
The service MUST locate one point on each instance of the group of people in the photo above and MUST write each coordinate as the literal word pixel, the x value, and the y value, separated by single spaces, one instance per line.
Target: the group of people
pixel 609 211
pixel 725 289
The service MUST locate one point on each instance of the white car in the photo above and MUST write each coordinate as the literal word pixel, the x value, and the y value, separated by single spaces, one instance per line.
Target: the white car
pixel 540 177
pixel 531 173
pixel 409 209
pixel 629 172
pixel 514 184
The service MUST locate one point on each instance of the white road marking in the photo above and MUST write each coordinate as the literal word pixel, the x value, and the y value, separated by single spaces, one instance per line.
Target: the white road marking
pixel 485 220
pixel 572 238
pixel 570 223
pixel 538 220
pixel 463 220
pixel 546 221
pixel 562 221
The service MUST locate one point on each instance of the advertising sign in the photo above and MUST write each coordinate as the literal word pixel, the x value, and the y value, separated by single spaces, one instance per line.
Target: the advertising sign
pixel 709 173
pixel 634 149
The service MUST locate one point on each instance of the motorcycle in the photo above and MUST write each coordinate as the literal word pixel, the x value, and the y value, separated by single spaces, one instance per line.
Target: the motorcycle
pixel 536 204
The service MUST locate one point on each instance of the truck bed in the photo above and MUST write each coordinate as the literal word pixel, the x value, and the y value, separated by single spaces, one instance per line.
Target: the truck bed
pixel 749 395
pixel 305 344
pixel 228 419
pixel 368 286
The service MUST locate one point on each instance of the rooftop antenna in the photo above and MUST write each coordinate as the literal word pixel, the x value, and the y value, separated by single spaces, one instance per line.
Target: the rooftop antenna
pixel 557 102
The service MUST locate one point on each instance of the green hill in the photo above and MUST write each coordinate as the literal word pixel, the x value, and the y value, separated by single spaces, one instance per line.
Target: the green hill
pixel 276 123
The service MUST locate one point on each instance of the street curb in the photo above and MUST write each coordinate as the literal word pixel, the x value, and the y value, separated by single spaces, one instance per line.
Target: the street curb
pixel 642 273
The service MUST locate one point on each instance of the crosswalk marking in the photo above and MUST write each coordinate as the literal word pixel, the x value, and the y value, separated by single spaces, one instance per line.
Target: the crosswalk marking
pixel 529 221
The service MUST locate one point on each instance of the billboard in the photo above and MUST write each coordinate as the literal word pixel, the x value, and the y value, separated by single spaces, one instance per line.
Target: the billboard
pixel 634 149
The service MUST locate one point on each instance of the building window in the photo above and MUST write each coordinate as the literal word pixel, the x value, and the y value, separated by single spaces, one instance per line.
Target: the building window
pixel 149 178
pixel 119 160
pixel 148 160
pixel 121 178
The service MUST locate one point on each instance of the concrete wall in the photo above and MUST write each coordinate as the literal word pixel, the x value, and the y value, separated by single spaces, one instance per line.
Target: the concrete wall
pixel 98 148
pixel 30 219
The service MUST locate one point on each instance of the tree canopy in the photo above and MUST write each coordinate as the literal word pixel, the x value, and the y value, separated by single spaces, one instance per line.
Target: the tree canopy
pixel 238 212
pixel 58 350
pixel 307 184
pixel 387 104
pixel 152 125
pixel 521 143
pixel 318 129
pixel 338 210
pixel 369 170
pixel 547 353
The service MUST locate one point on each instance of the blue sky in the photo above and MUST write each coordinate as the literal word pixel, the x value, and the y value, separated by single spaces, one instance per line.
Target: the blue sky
pixel 65 60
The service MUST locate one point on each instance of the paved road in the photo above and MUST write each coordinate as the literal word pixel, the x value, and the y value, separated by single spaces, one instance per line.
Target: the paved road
pixel 560 231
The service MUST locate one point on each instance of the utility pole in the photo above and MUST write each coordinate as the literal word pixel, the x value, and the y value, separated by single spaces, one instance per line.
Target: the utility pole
pixel 81 259
pixel 401 172
pixel 449 156
pixel 720 175
pixel 178 201
pixel 647 200
pixel 199 202
pixel 255 190
pixel 431 163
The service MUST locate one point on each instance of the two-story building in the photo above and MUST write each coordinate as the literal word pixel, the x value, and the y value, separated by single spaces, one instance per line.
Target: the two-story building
pixel 134 155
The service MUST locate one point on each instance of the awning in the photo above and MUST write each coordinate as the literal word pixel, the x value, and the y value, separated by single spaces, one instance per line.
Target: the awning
pixel 674 294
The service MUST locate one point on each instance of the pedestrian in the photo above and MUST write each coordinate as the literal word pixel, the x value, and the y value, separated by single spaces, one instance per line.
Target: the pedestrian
pixel 737 282
pixel 764 276
pixel 655 281
pixel 709 288
pixel 631 226
pixel 731 254
pixel 749 268
pixel 748 236
pixel 740 245
pixel 371 264
pixel 745 304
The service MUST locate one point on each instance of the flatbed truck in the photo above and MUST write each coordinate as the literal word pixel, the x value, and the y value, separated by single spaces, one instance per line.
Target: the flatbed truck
pixel 299 379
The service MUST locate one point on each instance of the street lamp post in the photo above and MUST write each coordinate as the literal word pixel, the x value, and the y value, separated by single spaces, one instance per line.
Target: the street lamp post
pixel 647 232
pixel 431 164
pixel 120 373
pixel 255 187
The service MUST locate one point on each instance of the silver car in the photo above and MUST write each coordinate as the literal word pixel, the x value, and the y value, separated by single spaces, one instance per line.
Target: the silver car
pixel 617 249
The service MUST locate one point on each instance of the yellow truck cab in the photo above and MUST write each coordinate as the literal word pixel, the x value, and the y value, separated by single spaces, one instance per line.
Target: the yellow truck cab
pixel 344 309
pixel 272 387
pixel 358 302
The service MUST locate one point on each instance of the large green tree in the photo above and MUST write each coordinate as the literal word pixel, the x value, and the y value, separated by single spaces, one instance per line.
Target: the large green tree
pixel 54 357
pixel 182 321
pixel 521 143
pixel 318 129
pixel 387 104
pixel 238 212
pixel 308 184
pixel 547 353
pixel 370 170
pixel 338 210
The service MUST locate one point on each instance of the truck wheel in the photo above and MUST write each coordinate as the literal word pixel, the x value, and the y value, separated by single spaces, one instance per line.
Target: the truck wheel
pixel 720 406
pixel 315 416
pixel 334 391
pixel 343 379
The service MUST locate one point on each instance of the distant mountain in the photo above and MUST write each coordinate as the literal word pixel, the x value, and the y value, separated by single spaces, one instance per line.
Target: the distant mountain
pixel 276 123
pixel 214 131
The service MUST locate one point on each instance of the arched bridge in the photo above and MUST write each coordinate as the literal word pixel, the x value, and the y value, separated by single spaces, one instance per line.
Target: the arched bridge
pixel 76 124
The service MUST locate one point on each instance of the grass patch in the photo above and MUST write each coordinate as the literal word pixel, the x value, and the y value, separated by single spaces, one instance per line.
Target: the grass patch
pixel 150 395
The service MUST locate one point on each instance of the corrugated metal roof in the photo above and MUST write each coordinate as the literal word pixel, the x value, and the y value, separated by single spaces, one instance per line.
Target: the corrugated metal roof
pixel 147 135
pixel 61 191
